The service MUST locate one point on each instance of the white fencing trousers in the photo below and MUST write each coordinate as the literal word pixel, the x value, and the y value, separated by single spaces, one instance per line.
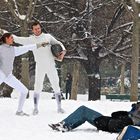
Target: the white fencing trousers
pixel 13 82
pixel 52 75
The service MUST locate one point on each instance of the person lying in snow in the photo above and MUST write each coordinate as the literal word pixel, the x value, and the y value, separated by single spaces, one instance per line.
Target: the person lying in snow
pixel 114 123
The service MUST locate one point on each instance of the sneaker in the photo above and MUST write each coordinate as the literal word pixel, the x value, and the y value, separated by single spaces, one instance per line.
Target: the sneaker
pixel 59 127
pixel 21 113
pixel 35 111
pixel 60 110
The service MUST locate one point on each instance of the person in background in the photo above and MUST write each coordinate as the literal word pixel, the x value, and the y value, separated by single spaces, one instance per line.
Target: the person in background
pixel 7 56
pixel 114 123
pixel 44 57
pixel 68 85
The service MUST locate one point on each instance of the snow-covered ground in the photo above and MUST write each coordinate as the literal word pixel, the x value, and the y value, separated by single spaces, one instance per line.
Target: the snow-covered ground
pixel 14 127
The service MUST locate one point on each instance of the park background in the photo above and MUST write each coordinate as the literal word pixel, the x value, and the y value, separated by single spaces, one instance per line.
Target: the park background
pixel 102 42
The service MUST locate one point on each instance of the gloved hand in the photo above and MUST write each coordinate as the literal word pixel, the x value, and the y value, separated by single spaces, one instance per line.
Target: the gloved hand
pixel 61 56
pixel 43 44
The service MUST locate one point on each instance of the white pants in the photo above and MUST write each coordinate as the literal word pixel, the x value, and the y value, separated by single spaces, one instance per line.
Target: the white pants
pixel 52 75
pixel 13 82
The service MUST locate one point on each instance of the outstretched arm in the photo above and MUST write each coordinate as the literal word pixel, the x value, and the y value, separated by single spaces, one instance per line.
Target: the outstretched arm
pixel 23 40
pixel 24 49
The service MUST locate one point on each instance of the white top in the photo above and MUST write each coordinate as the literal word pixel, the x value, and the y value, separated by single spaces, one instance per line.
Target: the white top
pixel 43 54
pixel 8 54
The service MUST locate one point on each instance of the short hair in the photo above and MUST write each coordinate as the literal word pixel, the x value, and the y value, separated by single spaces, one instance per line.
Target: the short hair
pixel 35 23
pixel 4 36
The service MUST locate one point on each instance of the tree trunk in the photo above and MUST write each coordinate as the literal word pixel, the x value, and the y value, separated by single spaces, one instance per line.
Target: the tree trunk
pixel 122 79
pixel 32 65
pixel 94 87
pixel 75 81
pixel 25 73
pixel 25 62
pixel 92 69
pixel 135 53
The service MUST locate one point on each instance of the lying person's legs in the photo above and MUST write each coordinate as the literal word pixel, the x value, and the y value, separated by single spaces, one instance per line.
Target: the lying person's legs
pixel 77 118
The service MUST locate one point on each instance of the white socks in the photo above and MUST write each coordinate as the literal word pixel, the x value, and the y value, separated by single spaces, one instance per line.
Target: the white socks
pixel 36 100
pixel 58 101
pixel 22 99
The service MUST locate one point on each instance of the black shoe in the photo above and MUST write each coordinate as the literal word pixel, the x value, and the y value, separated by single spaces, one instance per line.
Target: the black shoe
pixel 53 97
pixel 62 98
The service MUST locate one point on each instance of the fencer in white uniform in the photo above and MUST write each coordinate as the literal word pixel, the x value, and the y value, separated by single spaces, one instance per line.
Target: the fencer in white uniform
pixel 7 56
pixel 43 57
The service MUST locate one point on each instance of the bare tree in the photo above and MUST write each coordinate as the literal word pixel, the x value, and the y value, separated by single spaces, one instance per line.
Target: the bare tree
pixel 134 8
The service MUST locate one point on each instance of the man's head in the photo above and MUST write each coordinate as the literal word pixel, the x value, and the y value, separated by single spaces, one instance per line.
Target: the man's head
pixel 135 113
pixel 7 38
pixel 36 28
pixel 135 106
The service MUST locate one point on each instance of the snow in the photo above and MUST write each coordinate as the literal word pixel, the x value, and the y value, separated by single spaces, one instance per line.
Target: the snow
pixel 22 17
pixel 36 127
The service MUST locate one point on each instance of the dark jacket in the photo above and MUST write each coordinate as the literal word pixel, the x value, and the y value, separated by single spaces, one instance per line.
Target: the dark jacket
pixel 115 123
pixel 68 81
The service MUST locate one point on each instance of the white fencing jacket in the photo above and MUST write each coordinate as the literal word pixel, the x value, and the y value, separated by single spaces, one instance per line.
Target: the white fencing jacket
pixel 44 54
pixel 7 56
